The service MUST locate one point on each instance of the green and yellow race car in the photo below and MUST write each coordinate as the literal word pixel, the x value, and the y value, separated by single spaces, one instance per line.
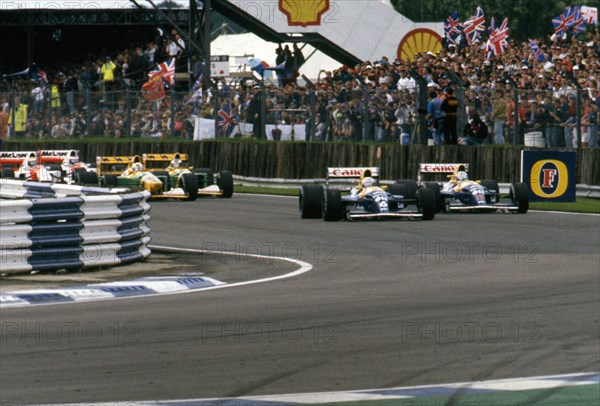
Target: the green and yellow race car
pixel 173 168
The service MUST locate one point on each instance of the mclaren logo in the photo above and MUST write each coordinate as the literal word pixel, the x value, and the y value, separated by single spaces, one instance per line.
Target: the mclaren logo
pixel 549 178
pixel 304 12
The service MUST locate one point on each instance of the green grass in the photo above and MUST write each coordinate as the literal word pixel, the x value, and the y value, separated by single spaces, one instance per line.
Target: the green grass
pixel 582 205
pixel 267 190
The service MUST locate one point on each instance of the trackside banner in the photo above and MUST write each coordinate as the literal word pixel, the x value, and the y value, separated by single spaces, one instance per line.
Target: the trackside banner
pixel 550 175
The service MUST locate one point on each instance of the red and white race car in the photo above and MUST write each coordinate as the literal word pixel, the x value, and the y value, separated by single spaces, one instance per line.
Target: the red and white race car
pixel 25 165
pixel 73 169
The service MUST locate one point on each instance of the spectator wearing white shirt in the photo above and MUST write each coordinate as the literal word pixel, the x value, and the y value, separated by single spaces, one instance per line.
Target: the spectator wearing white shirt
pixel 406 83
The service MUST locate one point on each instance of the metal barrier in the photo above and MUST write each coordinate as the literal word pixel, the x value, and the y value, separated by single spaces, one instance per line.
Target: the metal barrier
pixel 51 233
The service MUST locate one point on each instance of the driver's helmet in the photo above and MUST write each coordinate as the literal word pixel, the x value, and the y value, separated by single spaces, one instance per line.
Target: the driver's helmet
pixel 73 161
pixel 368 181
pixel 32 162
pixel 137 167
pixel 462 176
pixel 175 162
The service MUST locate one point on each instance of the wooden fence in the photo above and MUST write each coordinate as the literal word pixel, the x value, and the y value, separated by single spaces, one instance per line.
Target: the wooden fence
pixel 302 160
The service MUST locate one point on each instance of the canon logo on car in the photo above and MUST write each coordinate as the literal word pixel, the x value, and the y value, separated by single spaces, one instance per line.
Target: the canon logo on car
pixel 440 168
pixel 347 172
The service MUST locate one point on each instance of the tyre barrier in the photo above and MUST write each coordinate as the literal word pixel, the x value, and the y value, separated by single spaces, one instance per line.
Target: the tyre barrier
pixel 52 233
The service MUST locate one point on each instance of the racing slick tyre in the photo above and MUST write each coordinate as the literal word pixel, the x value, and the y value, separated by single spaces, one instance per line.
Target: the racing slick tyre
pixel 189 184
pixel 332 205
pixel 109 180
pixel 426 203
pixel 86 178
pixel 209 178
pixel 167 182
pixel 491 185
pixel 519 194
pixel 412 188
pixel 225 183
pixel 8 173
pixel 396 189
pixel 437 195
pixel 310 200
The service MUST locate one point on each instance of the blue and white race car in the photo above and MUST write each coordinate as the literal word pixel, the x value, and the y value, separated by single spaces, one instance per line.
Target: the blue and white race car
pixel 366 200
pixel 460 194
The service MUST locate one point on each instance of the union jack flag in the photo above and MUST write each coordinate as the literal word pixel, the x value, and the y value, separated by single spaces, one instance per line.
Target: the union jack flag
pixel 474 26
pixel 579 21
pixel 226 120
pixel 452 27
pixel 497 43
pixel 590 14
pixel 564 21
pixel 196 92
pixel 537 53
pixel 166 70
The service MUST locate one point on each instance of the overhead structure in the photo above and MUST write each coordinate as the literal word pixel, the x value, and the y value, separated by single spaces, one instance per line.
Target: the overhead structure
pixel 349 31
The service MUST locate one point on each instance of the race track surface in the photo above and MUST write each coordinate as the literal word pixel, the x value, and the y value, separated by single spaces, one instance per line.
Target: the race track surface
pixel 387 304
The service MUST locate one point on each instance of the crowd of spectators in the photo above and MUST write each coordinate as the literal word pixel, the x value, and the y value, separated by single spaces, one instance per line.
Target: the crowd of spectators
pixel 371 101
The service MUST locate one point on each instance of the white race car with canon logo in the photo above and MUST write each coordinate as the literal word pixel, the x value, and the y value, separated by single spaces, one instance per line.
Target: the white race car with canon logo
pixel 460 194
pixel 366 200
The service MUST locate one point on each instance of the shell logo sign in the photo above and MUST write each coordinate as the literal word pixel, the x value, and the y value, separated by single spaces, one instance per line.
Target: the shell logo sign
pixel 304 12
pixel 419 41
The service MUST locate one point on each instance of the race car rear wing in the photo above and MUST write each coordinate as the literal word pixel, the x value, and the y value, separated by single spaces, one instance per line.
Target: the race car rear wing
pixel 352 173
pixel 114 164
pixel 16 158
pixel 441 168
pixel 58 156
pixel 152 160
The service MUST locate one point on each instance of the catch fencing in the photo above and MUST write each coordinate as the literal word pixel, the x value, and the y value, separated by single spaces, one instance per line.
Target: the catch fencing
pixel 70 227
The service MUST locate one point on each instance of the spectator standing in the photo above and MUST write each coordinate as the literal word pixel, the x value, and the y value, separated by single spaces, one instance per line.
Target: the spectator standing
pixel 435 117
pixel 107 71
pixel 499 116
pixel 4 118
pixel 450 108
pixel 19 112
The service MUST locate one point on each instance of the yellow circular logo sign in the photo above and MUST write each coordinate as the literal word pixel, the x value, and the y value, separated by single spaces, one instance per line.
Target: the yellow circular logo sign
pixel 549 178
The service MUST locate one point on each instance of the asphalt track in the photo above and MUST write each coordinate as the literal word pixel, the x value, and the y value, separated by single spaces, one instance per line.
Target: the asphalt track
pixel 387 304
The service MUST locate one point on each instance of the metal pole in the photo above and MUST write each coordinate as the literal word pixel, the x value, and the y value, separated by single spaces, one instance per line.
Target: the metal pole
pixel 422 101
pixel 206 37
pixel 578 128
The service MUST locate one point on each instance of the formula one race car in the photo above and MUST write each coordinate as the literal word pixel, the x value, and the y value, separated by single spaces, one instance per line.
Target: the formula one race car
pixel 25 165
pixel 74 170
pixel 173 166
pixel 459 194
pixel 129 172
pixel 366 200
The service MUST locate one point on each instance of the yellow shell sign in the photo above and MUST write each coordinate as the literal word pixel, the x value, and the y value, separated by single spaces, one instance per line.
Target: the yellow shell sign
pixel 419 41
pixel 304 12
